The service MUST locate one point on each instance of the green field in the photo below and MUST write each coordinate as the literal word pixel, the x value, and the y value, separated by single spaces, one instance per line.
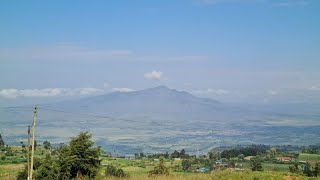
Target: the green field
pixel 309 157
pixel 140 168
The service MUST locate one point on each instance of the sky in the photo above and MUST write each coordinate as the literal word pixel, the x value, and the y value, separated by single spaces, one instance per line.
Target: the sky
pixel 231 50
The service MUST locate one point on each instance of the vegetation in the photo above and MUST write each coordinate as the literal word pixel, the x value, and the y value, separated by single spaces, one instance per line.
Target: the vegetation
pixel 256 164
pixel 113 171
pixel 81 160
pixel 1 141
pixel 160 169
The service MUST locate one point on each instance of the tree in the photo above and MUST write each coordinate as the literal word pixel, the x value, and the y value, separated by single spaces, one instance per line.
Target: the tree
pixel 307 170
pixel 1 141
pixel 295 168
pixel 186 165
pixel 46 145
pixel 175 154
pixel 214 155
pixel 182 153
pixel 23 175
pixel 142 154
pixel 317 169
pixel 256 164
pixel 160 169
pixel 79 158
pixel 35 145
pixel 47 169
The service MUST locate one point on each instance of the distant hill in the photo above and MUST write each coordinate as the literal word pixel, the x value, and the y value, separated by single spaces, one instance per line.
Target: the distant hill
pixel 161 119
pixel 158 100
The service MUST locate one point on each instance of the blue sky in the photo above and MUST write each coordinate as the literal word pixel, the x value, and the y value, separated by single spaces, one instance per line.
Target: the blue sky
pixel 230 50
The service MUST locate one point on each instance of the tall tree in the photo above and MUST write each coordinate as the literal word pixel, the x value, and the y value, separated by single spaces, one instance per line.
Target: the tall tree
pixel 79 158
pixel 1 141
pixel 317 169
pixel 256 164
pixel 47 145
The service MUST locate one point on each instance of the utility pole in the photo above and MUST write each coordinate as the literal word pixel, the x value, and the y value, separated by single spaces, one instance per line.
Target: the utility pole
pixel 33 133
pixel 28 150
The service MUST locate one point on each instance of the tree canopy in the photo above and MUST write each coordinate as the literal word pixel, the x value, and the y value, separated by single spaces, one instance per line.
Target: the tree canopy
pixel 1 141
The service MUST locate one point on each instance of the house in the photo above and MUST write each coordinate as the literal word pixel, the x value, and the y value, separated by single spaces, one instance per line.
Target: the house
pixel 220 161
pixel 221 165
pixel 202 169
pixel 248 158
pixel 284 159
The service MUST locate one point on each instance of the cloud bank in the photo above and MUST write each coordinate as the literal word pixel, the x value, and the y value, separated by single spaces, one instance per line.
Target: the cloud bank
pixel 123 89
pixel 47 92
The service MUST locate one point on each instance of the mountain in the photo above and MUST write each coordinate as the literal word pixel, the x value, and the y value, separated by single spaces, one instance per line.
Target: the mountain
pixel 161 119
pixel 158 100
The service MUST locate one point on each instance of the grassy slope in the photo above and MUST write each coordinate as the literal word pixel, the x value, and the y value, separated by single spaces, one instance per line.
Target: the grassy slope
pixel 225 175
pixel 9 171
pixel 131 167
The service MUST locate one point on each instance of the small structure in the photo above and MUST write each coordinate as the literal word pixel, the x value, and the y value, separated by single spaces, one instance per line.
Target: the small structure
pixel 248 158
pixel 219 161
pixel 177 159
pixel 104 164
pixel 221 165
pixel 284 159
pixel 202 169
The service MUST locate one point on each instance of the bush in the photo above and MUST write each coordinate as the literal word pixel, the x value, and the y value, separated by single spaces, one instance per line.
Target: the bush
pixel 22 175
pixel 160 169
pixel 113 171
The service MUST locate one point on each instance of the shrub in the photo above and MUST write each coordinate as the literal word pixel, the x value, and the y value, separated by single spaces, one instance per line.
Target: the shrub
pixel 113 171
pixel 160 169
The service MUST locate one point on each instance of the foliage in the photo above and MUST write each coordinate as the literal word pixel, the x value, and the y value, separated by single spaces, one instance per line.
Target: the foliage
pixel 312 149
pixel 22 175
pixel 9 151
pixel 317 169
pixel 256 164
pixel 79 158
pixel 1 141
pixel 186 165
pixel 181 154
pixel 252 150
pixel 113 171
pixel 307 170
pixel 160 169
pixel 47 169
pixel 214 155
pixel 47 145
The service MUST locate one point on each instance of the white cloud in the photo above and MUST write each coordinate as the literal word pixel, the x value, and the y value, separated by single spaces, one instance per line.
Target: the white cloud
pixel 47 92
pixel 212 92
pixel 123 89
pixel 154 75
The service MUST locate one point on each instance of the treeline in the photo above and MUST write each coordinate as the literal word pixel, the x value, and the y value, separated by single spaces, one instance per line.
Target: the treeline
pixel 313 149
pixel 252 150
pixel 167 155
